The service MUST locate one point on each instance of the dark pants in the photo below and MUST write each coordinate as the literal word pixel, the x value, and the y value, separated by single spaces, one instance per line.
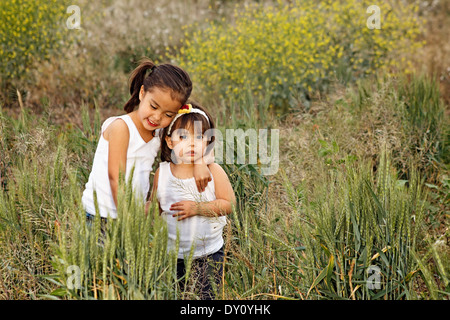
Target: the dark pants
pixel 205 269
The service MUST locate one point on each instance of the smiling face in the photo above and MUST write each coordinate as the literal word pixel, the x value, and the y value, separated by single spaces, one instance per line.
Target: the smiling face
pixel 156 109
pixel 188 145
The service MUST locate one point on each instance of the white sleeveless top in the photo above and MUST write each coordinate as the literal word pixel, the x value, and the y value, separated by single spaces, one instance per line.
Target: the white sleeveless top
pixel 140 154
pixel 204 233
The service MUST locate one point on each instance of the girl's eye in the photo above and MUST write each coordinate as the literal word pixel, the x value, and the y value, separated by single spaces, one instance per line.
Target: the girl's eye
pixel 199 137
pixel 182 137
pixel 169 115
pixel 153 107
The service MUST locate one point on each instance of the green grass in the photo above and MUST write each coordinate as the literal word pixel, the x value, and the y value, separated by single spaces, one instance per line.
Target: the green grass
pixel 362 222
pixel 287 238
pixel 363 178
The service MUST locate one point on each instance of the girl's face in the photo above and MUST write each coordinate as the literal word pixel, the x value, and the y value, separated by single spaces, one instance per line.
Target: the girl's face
pixel 187 146
pixel 157 108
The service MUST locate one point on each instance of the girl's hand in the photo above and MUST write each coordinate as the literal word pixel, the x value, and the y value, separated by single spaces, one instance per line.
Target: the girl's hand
pixel 202 176
pixel 185 209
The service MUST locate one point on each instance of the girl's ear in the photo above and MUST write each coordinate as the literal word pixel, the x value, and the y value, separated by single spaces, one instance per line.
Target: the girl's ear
pixel 169 142
pixel 141 93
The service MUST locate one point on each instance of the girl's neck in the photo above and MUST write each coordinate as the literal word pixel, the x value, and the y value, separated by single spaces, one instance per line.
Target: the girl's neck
pixel 182 170
pixel 145 134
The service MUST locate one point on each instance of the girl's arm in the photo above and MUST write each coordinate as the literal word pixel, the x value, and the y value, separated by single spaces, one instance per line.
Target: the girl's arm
pixel 202 176
pixel 117 135
pixel 225 199
pixel 201 173
pixel 153 193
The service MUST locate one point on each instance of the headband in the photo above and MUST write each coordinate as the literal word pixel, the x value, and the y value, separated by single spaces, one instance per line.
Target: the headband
pixel 187 108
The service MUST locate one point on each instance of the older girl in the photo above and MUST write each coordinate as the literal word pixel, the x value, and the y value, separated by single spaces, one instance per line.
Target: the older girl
pixel 132 140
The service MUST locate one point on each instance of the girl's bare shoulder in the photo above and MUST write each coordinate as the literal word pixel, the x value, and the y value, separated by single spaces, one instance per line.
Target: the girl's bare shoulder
pixel 217 170
pixel 117 127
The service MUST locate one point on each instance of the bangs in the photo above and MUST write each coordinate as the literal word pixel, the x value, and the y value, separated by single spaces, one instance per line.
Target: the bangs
pixel 186 121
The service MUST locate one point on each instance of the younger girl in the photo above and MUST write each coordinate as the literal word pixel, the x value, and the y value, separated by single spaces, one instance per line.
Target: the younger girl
pixel 198 217
pixel 132 140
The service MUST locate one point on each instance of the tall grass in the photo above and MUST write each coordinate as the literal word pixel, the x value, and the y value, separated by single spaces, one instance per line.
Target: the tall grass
pixel 413 110
pixel 425 119
pixel 127 261
pixel 33 198
pixel 361 227
pixel 42 170
pixel 323 240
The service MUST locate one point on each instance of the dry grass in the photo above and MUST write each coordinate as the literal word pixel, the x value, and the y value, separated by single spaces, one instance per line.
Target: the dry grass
pixel 434 57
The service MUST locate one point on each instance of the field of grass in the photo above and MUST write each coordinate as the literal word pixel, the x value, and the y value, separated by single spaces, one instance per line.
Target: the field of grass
pixel 358 208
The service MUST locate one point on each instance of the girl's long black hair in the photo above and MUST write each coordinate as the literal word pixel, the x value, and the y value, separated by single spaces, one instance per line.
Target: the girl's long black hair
pixel 164 76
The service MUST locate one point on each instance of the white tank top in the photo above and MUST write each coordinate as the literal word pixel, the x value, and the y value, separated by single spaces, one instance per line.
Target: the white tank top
pixel 204 233
pixel 140 154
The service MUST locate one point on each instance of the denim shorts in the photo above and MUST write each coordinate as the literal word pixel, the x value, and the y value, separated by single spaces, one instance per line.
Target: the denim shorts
pixel 90 220
pixel 91 217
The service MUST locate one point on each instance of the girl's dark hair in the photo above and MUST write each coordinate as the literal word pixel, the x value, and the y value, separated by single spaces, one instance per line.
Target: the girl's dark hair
pixel 184 122
pixel 163 76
